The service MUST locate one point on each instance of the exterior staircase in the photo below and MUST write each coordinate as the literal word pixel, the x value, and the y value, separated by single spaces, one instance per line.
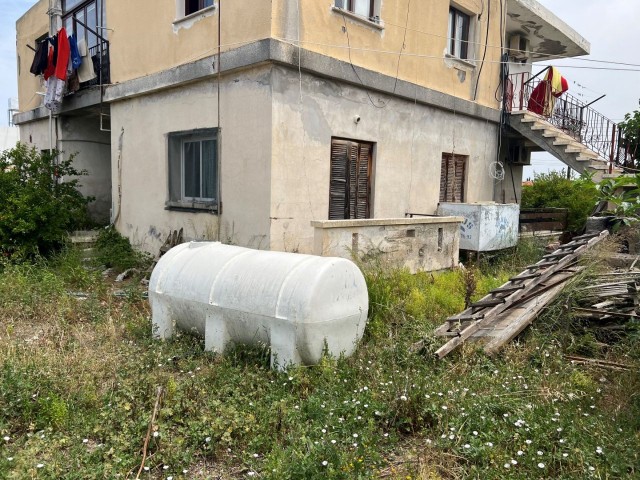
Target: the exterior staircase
pixel 561 145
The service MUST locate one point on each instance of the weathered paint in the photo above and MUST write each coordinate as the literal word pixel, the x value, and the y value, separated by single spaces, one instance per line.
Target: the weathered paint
pixel 142 163
pixel 409 139
pixel 417 244
pixel 163 43
pixel 32 25
pixel 420 35
pixel 486 226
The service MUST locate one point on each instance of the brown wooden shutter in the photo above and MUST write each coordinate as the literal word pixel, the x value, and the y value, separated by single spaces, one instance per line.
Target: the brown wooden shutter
pixel 452 176
pixel 459 162
pixel 350 180
pixel 363 181
pixel 338 206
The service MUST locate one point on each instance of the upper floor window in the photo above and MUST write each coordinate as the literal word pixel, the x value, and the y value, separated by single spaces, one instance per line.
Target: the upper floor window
pixel 192 6
pixel 89 13
pixel 364 8
pixel 458 35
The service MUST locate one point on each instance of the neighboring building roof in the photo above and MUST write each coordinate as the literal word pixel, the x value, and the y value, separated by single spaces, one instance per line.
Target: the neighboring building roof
pixel 548 35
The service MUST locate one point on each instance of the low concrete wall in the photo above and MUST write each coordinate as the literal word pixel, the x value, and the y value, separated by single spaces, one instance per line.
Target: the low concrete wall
pixel 419 244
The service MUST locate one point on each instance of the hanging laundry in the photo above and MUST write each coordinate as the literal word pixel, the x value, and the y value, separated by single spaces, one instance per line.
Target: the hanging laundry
pixel 76 60
pixel 40 59
pixel 54 93
pixel 86 72
pixel 543 97
pixel 63 55
pixel 49 71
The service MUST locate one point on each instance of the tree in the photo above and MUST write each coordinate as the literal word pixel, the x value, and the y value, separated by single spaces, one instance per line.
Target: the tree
pixel 39 203
pixel 630 129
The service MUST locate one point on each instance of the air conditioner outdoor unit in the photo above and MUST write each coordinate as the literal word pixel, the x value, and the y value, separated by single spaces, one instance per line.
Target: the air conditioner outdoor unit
pixel 519 47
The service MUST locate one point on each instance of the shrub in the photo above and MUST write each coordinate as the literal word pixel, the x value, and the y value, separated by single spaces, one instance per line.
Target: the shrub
pixel 114 250
pixel 39 203
pixel 554 190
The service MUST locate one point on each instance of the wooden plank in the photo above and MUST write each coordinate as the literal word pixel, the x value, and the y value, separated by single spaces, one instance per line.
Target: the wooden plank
pixel 604 312
pixel 523 316
pixel 471 329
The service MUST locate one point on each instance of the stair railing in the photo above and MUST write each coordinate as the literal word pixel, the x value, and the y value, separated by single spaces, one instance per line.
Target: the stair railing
pixel 576 119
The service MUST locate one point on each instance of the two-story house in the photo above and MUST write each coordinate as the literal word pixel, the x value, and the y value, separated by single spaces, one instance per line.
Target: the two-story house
pixel 245 121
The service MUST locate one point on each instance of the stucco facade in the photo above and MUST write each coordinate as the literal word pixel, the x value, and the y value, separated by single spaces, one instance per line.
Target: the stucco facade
pixel 274 83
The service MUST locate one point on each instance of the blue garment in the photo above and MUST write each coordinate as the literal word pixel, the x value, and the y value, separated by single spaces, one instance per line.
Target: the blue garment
pixel 76 59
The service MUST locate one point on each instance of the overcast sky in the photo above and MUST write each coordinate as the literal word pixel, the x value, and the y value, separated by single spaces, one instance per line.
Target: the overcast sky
pixel 611 26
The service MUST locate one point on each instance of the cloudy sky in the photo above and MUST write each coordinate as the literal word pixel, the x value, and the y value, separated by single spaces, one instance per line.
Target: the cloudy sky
pixel 611 27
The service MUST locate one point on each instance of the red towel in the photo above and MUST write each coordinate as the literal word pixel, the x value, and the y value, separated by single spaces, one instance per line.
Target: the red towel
pixel 63 55
pixel 50 70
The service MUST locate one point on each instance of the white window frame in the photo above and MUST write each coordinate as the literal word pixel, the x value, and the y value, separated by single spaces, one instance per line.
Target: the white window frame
pixel 176 178
pixel 455 52
pixel 346 7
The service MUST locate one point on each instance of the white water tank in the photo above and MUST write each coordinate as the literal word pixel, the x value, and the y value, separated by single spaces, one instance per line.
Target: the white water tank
pixel 297 304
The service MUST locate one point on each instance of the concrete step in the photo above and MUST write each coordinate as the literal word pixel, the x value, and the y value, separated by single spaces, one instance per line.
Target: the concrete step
pixel 588 155
pixel 575 149
pixel 84 236
pixel 539 126
pixel 563 141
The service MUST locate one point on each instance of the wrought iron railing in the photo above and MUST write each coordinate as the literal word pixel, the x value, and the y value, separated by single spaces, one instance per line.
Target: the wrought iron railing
pixel 99 55
pixel 577 119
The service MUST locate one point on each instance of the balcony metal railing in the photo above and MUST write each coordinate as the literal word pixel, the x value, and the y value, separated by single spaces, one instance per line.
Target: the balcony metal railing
pixel 576 119
pixel 99 55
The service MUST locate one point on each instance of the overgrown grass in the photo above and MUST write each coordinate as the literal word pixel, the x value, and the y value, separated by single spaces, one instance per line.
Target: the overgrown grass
pixel 78 380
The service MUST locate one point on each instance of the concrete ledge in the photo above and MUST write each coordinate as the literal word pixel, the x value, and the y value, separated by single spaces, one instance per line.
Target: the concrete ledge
pixel 83 99
pixel 417 244
pixel 265 51
pixel 276 51
pixel 384 221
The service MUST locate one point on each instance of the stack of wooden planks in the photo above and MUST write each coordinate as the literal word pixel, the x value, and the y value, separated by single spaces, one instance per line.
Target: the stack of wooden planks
pixel 501 315
pixel 613 298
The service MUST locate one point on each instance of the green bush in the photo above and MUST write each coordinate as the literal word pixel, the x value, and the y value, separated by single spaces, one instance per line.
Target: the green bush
pixel 39 203
pixel 115 251
pixel 554 190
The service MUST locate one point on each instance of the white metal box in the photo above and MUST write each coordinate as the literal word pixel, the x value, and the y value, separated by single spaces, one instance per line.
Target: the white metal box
pixel 487 226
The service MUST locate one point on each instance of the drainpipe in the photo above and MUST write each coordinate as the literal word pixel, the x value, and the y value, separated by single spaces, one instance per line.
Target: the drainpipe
pixel 218 142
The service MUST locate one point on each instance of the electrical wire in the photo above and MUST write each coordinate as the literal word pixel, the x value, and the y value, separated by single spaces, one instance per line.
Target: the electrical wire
pixel 404 39
pixel 484 55
pixel 439 57
pixel 354 68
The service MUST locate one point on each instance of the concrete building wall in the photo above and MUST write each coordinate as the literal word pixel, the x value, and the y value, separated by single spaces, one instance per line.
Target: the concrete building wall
pixel 9 136
pixel 148 36
pixel 409 139
pixel 140 126
pixel 31 26
pixel 81 136
pixel 420 35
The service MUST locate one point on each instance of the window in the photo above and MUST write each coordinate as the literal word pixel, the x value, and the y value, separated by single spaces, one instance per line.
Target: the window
pixel 364 8
pixel 192 6
pixel 193 166
pixel 458 39
pixel 350 179
pixel 452 177
pixel 90 13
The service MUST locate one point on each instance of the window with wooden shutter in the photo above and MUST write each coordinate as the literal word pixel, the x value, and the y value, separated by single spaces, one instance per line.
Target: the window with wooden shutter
pixel 452 177
pixel 350 179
